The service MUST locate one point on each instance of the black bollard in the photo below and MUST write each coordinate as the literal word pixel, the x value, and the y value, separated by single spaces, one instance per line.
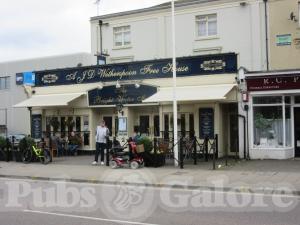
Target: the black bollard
pixel 108 147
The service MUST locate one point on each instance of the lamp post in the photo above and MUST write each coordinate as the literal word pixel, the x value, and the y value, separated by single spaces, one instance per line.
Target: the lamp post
pixel 175 129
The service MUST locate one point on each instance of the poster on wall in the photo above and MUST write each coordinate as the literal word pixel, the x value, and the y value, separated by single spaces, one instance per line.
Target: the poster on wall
pixel 36 125
pixel 206 123
pixel 122 124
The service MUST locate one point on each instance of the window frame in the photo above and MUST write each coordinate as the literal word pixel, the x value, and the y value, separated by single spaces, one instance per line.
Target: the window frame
pixel 6 83
pixel 198 19
pixel 122 31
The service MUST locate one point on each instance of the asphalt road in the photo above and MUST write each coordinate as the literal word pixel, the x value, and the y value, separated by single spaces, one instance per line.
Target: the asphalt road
pixel 45 203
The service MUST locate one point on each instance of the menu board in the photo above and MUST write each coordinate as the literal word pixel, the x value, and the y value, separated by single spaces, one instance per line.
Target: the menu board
pixel 206 120
pixel 36 124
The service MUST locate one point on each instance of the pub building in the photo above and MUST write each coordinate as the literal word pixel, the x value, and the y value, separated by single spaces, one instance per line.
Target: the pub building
pixel 274 114
pixel 139 95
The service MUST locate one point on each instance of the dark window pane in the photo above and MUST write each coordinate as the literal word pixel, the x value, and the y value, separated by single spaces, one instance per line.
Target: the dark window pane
pixel 78 123
pixel 156 126
pixel 144 125
pixel 267 100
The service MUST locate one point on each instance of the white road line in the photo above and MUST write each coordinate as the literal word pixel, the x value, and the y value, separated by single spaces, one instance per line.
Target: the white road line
pixel 87 217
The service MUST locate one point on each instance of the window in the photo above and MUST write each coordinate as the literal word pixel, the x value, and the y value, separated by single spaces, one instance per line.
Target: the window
pixel 4 83
pixel 206 25
pixel 272 121
pixel 122 36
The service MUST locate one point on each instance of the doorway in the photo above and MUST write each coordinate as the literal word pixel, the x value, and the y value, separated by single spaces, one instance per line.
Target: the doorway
pixel 297 131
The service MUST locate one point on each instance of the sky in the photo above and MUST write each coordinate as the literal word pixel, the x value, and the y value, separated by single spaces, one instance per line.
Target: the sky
pixel 37 28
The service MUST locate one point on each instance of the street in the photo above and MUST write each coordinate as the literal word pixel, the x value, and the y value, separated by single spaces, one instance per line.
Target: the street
pixel 46 202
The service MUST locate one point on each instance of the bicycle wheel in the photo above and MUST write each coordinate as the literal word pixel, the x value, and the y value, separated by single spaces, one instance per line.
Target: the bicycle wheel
pixel 27 156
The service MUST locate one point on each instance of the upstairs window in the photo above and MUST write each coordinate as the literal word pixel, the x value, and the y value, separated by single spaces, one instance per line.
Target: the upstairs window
pixel 206 25
pixel 4 83
pixel 122 36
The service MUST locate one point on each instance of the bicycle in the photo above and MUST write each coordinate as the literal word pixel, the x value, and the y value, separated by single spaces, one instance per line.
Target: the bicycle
pixel 41 153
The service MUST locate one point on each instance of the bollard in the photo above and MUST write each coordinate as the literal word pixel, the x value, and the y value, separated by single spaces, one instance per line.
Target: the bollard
pixel 107 150
pixel 181 154
pixel 195 150
pixel 206 148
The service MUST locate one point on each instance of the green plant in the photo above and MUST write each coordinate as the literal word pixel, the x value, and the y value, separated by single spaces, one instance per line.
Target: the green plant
pixel 261 122
pixel 25 143
pixel 148 145
pixel 2 142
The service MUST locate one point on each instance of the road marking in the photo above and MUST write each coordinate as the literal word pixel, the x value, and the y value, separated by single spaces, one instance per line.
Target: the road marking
pixel 87 217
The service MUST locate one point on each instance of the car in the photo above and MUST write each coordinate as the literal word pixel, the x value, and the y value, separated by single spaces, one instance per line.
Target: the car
pixel 18 138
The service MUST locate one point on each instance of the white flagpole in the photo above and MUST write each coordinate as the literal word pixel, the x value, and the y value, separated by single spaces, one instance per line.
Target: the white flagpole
pixel 175 130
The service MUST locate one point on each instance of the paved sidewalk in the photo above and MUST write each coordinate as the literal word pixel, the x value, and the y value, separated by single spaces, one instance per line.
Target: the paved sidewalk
pixel 267 176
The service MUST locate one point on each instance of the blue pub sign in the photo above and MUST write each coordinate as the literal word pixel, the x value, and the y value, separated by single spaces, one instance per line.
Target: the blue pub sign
pixel 152 69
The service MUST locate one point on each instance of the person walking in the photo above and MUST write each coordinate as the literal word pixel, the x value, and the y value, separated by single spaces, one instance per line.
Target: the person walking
pixel 102 133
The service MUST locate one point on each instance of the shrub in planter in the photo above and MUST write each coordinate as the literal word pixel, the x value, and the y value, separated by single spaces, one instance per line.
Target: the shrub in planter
pixel 148 145
pixel 2 148
pixel 25 144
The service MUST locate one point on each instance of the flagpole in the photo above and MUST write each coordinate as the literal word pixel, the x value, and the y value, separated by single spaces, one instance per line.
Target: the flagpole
pixel 175 130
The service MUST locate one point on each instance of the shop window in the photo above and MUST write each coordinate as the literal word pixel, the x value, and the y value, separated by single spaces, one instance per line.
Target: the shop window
pixel 4 83
pixel 63 126
pixel 182 125
pixel 287 99
pixel 297 99
pixel 166 126
pixel 267 100
pixel 268 126
pixel 206 25
pixel 191 122
pixel 122 36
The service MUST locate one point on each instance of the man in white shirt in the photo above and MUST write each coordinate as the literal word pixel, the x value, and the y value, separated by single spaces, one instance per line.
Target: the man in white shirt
pixel 102 133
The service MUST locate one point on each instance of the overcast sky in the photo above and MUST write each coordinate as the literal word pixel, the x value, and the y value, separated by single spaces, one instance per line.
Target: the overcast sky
pixel 36 28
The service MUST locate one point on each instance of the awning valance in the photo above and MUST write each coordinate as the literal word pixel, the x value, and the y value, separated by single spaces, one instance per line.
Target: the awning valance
pixel 49 100
pixel 192 93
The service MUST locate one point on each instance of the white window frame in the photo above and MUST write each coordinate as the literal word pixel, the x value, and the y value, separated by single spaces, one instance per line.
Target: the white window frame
pixel 199 18
pixel 123 30
pixel 283 105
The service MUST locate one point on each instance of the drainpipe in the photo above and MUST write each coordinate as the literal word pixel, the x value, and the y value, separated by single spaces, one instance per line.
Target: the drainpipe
pixel 100 36
pixel 267 34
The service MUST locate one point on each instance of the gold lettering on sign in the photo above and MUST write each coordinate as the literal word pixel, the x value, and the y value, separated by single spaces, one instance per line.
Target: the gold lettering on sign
pixel 266 81
pixel 148 69
pixel 278 80
pixel 295 79
pixel 111 73
pixel 169 68
pixel 71 76
pixel 49 78
pixel 86 75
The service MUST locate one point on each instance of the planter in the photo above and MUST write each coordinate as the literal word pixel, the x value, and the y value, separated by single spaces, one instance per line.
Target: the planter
pixel 153 160
pixel 17 156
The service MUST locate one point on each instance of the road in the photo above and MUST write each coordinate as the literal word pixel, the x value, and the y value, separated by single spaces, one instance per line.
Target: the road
pixel 29 202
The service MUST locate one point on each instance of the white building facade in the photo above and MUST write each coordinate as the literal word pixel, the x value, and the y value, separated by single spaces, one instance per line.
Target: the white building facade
pixel 11 93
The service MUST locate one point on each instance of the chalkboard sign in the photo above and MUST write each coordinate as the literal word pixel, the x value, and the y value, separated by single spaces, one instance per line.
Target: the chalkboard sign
pixel 36 125
pixel 206 123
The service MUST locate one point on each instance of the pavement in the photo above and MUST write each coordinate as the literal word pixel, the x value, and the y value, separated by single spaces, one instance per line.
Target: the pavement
pixel 255 176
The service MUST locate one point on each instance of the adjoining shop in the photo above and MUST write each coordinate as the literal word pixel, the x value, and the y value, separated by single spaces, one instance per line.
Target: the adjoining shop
pixel 274 114
pixel 138 94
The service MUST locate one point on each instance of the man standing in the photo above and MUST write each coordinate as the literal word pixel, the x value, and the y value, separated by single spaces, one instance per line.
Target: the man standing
pixel 102 133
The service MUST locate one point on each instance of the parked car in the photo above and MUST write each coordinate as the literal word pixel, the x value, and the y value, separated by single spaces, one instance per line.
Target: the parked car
pixel 18 138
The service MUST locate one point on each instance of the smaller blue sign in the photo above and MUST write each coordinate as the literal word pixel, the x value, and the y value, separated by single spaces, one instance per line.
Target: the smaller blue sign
pixel 19 78
pixel 29 78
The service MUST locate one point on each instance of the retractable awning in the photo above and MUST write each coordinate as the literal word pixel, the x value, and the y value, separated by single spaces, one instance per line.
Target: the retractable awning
pixel 49 100
pixel 192 93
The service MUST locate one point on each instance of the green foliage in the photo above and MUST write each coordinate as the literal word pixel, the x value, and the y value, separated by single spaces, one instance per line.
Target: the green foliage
pixel 261 122
pixel 26 143
pixel 148 145
pixel 2 142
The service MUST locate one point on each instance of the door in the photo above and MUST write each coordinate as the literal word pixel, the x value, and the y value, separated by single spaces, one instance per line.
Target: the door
pixel 297 131
pixel 144 125
pixel 233 133
pixel 109 123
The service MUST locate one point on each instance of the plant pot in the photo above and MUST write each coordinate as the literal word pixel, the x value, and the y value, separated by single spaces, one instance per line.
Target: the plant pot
pixel 153 160
pixel 17 156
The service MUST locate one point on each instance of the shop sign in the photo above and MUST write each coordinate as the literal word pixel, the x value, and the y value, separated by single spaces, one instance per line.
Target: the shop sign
pixel 27 78
pixel 206 119
pixel 36 125
pixel 285 39
pixel 273 83
pixel 126 94
pixel 187 66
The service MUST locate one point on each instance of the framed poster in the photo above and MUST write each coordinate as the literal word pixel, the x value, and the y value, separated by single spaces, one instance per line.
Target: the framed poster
pixel 122 121
pixel 36 125
pixel 206 123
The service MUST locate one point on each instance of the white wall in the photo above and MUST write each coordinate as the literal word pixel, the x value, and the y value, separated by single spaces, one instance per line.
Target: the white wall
pixel 240 30
pixel 18 118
